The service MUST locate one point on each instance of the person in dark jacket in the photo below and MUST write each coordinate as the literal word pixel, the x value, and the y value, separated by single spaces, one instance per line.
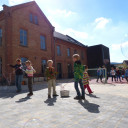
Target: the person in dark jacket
pixel 18 73
pixel 118 74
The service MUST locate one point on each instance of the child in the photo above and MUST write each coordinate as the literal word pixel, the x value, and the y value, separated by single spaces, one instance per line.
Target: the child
pixel 19 74
pixel 51 76
pixel 99 74
pixel 86 80
pixel 29 71
pixel 78 75
pixel 113 74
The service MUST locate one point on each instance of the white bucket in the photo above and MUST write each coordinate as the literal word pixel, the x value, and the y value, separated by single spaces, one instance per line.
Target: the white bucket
pixel 64 93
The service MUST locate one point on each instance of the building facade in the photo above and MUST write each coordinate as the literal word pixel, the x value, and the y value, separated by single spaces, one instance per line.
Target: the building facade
pixel 26 33
pixel 98 55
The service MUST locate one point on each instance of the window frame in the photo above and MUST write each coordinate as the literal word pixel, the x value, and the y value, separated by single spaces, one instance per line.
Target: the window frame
pixel 23 37
pixel 36 20
pixel 31 17
pixel 42 44
pixel 68 52
pixel 59 50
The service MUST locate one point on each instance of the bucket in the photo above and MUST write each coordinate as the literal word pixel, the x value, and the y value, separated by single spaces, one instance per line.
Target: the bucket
pixel 64 93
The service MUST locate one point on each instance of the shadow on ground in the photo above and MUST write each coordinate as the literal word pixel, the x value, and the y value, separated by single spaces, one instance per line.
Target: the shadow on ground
pixel 51 101
pixel 90 107
pixel 10 91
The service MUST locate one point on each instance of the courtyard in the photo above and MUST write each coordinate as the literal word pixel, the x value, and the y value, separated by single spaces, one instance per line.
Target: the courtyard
pixel 107 107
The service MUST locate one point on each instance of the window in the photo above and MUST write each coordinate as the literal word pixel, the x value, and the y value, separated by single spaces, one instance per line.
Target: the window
pixel 0 66
pixel 75 51
pixel 68 52
pixel 58 51
pixel 23 60
pixel 0 37
pixel 43 42
pixel 36 19
pixel 30 18
pixel 43 63
pixel 23 37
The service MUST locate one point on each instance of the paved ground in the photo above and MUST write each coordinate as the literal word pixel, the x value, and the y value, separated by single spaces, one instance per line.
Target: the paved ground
pixel 106 108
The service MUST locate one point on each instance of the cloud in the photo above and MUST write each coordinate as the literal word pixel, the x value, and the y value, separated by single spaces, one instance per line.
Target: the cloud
pixel 80 36
pixel 15 2
pixel 1 8
pixel 116 46
pixel 63 13
pixel 101 22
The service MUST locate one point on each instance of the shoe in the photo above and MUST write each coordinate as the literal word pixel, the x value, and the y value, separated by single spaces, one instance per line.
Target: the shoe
pixel 77 98
pixel 83 97
pixel 55 95
pixel 91 92
pixel 49 96
pixel 29 94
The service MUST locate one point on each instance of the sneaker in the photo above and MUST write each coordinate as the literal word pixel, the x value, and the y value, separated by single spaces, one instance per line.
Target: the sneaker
pixel 83 97
pixel 91 92
pixel 55 95
pixel 77 98
pixel 49 96
pixel 29 94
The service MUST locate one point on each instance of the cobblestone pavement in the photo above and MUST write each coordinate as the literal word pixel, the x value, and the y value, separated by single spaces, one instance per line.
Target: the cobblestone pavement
pixel 106 108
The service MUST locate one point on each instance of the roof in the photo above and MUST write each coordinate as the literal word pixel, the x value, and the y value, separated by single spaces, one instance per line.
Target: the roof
pixel 15 7
pixel 68 39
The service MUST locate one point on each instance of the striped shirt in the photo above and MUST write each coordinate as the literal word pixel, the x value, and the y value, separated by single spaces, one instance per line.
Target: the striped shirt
pixel 30 71
pixel 85 78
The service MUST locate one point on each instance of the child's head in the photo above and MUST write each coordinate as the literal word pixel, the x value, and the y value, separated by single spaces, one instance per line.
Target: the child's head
pixel 50 63
pixel 18 61
pixel 76 57
pixel 28 63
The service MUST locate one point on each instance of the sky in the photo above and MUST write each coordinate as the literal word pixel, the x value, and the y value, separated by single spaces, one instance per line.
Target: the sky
pixel 91 22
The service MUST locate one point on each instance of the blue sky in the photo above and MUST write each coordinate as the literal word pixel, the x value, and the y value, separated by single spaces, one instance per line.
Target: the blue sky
pixel 91 22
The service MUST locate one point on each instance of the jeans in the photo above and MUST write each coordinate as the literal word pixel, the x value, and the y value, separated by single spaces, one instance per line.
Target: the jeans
pixel 18 82
pixel 118 76
pixel 77 89
pixel 113 76
pixel 99 77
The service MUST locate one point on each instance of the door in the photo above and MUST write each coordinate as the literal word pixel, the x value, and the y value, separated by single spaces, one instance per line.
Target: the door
pixel 70 75
pixel 59 70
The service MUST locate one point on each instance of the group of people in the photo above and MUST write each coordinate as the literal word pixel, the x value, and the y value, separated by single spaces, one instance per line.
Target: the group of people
pixel 117 73
pixel 81 77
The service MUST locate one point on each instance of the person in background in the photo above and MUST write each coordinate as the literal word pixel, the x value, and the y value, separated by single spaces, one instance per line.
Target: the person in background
pixel 99 74
pixel 29 71
pixel 123 73
pixel 18 74
pixel 113 74
pixel 78 76
pixel 86 80
pixel 118 74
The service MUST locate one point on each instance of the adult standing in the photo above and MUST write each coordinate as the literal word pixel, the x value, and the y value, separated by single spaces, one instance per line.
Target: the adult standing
pixel 18 74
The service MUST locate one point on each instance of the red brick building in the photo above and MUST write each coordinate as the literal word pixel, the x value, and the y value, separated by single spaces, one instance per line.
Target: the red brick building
pixel 26 33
